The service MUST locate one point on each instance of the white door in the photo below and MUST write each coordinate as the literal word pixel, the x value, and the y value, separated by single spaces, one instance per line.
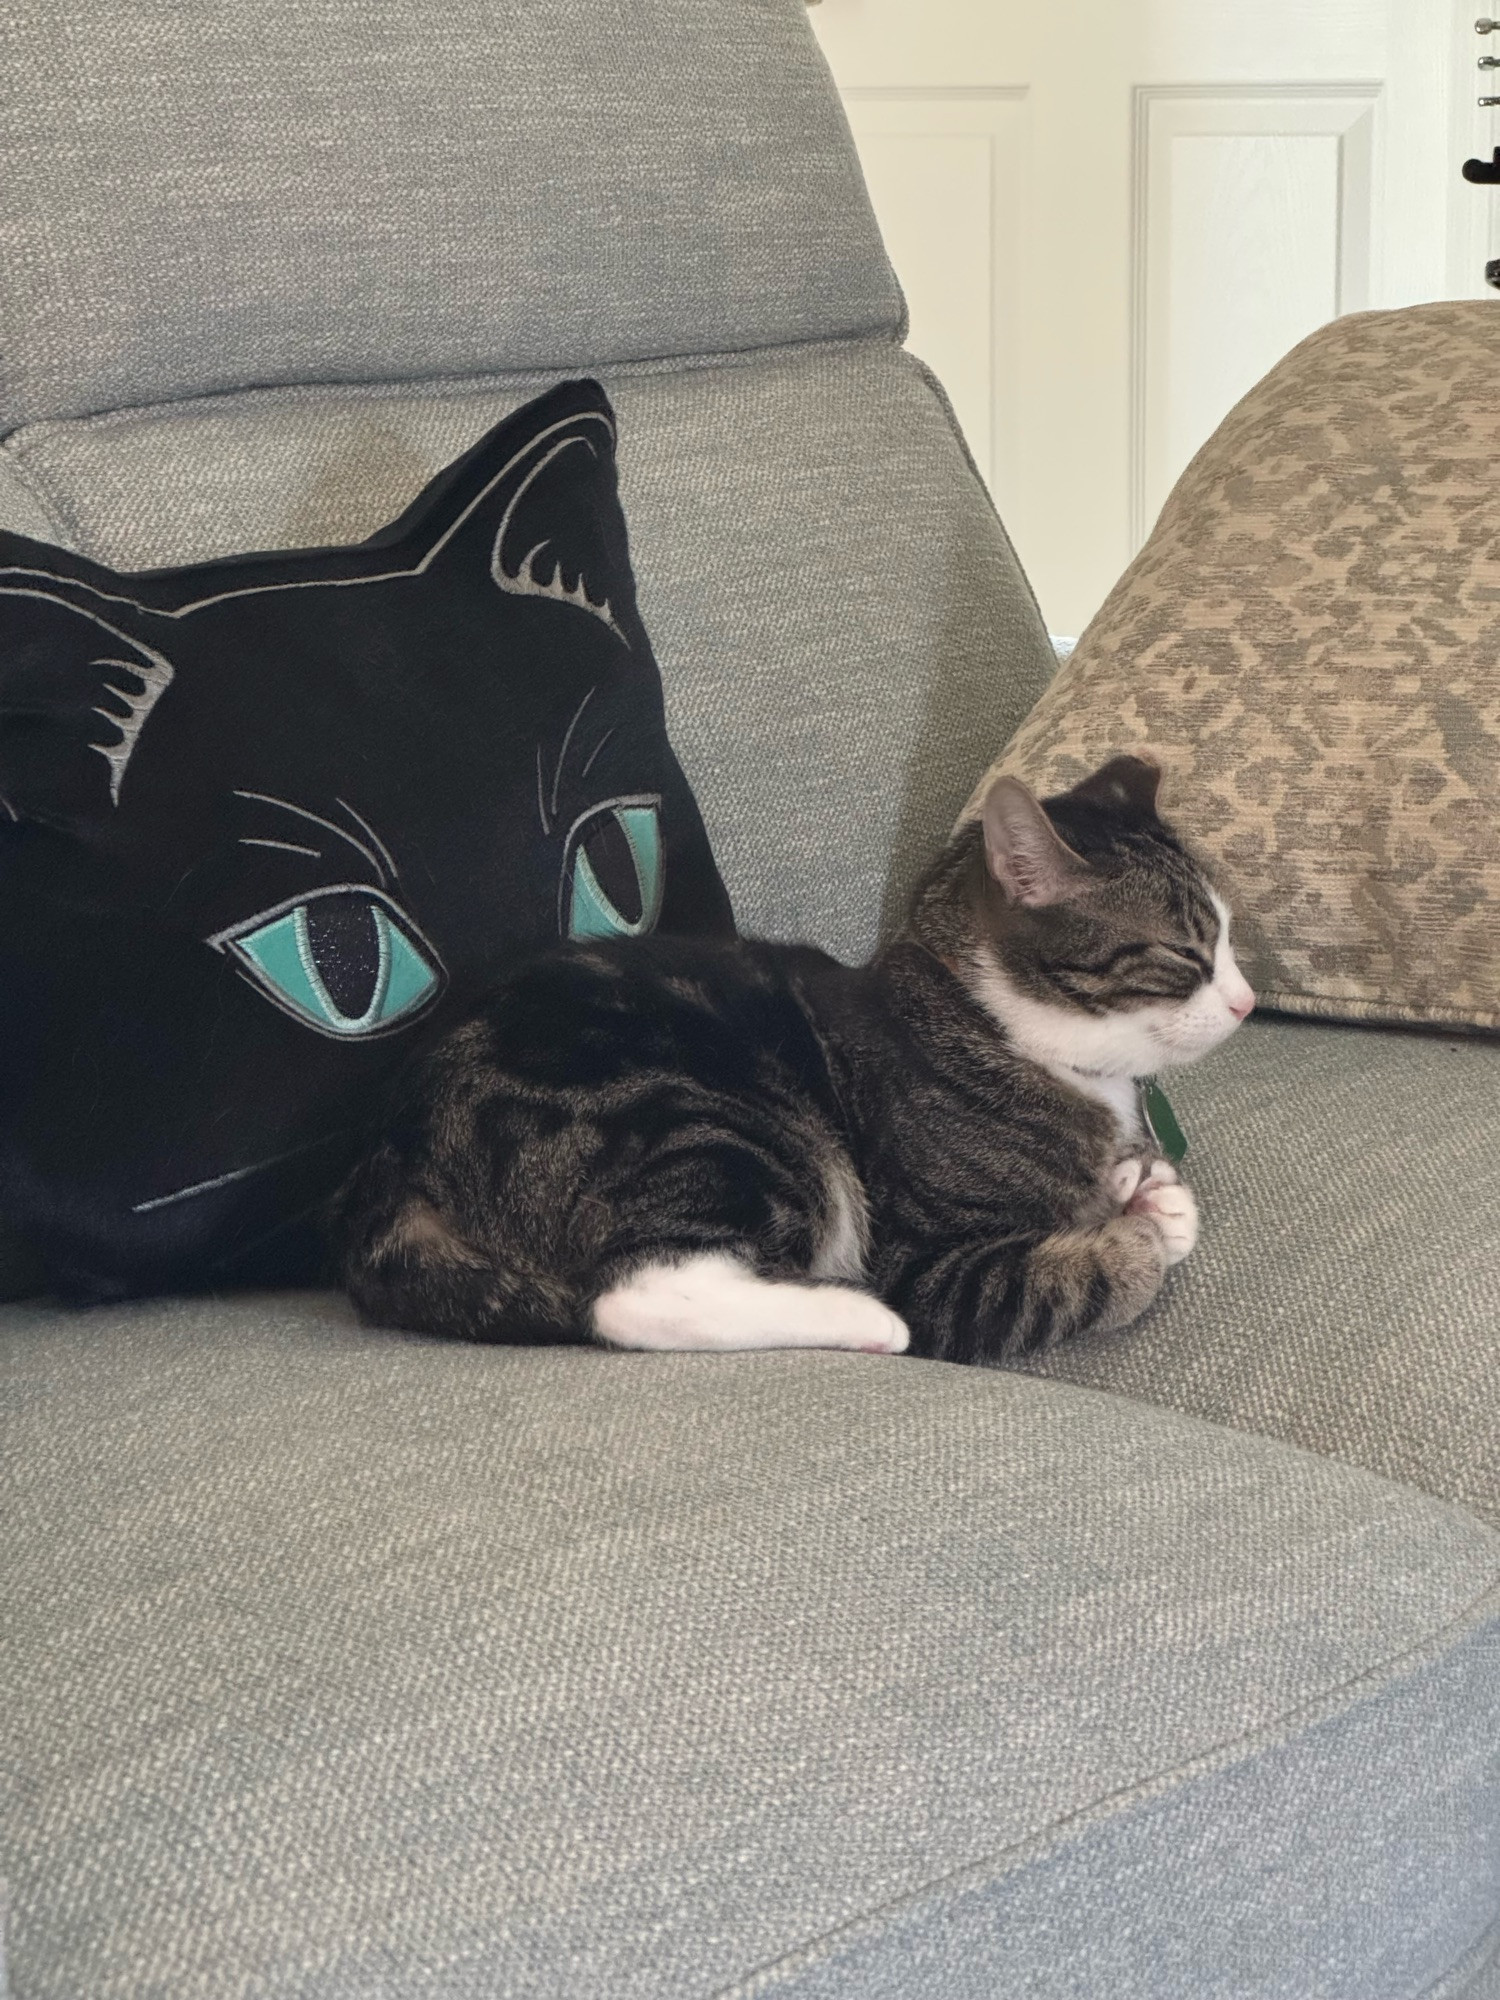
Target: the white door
pixel 1112 216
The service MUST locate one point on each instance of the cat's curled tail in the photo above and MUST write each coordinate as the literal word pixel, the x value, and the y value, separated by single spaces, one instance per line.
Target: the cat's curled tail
pixel 404 1266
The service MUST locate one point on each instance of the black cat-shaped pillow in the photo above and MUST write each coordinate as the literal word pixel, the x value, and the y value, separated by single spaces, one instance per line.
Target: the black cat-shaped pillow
pixel 263 820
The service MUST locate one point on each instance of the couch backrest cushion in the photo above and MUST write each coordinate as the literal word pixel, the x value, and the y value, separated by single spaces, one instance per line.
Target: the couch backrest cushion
pixel 843 632
pixel 200 198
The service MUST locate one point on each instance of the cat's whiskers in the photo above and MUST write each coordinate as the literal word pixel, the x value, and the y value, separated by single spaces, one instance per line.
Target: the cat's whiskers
pixel 328 825
pixel 589 762
pixel 365 826
pixel 286 846
pixel 562 755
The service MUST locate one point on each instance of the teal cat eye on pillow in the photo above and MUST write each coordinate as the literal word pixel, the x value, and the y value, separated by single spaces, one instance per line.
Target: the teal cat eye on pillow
pixel 275 817
pixel 631 904
pixel 283 953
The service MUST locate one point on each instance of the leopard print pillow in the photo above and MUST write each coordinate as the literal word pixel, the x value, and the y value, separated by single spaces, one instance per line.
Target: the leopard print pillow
pixel 1309 643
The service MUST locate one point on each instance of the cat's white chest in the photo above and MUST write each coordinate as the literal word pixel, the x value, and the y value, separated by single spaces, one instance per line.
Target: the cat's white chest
pixel 1048 1036
pixel 1119 1094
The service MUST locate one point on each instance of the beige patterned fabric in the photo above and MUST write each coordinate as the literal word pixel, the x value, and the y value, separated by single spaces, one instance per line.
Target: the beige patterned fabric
pixel 1310 644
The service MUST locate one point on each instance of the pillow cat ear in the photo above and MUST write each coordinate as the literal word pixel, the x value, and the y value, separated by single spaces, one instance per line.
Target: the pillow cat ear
pixel 536 503
pixel 1129 782
pixel 76 690
pixel 1024 851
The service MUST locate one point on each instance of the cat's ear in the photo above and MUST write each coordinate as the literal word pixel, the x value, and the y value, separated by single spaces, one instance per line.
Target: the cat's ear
pixel 1125 783
pixel 536 504
pixel 76 690
pixel 1024 851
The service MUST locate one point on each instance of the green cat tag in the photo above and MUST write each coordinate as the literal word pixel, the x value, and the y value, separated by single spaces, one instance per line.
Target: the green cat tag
pixel 1161 1121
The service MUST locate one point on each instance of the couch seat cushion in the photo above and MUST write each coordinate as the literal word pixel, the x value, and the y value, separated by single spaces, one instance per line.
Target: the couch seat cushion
pixel 1345 1291
pixel 338 1664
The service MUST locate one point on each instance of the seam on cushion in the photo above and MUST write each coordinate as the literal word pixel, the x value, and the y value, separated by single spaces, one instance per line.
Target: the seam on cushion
pixel 1340 1700
pixel 1318 1006
pixel 56 504
pixel 940 397
pixel 35 488
pixel 1459 1979
pixel 433 387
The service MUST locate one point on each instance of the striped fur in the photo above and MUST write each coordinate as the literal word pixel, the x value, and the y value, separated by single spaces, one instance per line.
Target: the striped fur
pixel 677 1142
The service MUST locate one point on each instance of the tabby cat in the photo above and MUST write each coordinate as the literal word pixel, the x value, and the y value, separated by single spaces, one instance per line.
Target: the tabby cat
pixel 674 1143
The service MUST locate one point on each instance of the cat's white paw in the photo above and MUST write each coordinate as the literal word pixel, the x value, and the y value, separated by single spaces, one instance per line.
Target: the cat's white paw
pixel 1127 1177
pixel 838 1316
pixel 1172 1207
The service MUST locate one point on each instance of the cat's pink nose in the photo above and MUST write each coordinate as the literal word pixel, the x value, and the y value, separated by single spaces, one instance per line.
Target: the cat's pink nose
pixel 1240 1000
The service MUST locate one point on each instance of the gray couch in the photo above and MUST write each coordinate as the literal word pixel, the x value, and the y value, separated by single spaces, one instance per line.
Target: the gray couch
pixel 335 1664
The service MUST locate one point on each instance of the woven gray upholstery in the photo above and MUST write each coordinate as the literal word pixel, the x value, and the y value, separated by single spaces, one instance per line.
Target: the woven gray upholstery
pixel 21 509
pixel 199 198
pixel 842 628
pixel 335 1664
pixel 1345 1292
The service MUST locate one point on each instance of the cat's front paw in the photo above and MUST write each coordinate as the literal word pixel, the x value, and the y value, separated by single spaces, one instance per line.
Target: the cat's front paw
pixel 1171 1206
pixel 1128 1177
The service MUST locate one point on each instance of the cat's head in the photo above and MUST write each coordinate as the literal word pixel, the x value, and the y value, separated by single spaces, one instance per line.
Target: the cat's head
pixel 1103 946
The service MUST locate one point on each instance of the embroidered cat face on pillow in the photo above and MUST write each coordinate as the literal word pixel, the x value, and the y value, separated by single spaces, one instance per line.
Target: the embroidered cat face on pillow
pixel 264 820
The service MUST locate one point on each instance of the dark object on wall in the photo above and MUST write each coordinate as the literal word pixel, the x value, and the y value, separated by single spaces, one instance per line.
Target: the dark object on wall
pixel 1486 173
pixel 264 818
